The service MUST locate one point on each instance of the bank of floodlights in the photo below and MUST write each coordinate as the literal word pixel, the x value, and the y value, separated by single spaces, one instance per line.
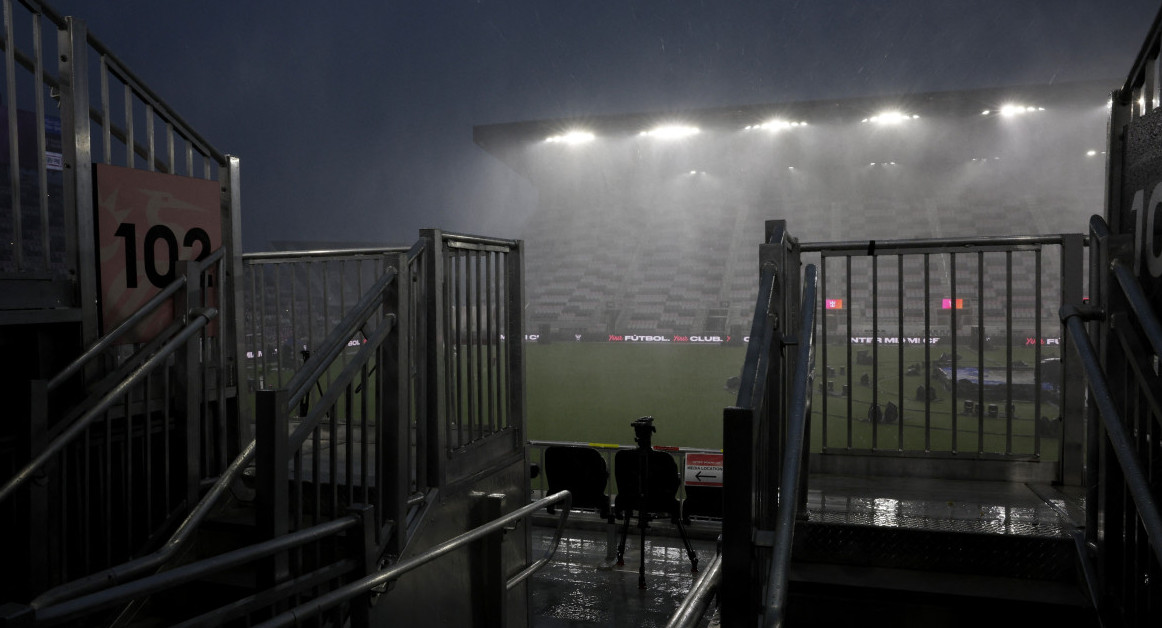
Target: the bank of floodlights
pixel 1012 110
pixel 774 126
pixel 671 132
pixel 890 118
pixel 572 138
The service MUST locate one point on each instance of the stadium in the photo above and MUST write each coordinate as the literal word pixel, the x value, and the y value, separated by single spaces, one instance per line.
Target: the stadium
pixel 646 228
pixel 882 359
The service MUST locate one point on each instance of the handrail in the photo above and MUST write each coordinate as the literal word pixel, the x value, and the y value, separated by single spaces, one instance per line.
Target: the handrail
pixel 776 590
pixel 752 387
pixel 145 310
pixel 694 605
pixel 1139 304
pixel 180 575
pixel 302 381
pixel 1127 458
pixel 308 424
pixel 278 256
pixel 349 591
pixel 200 319
pixel 464 239
pixel 125 571
pixel 925 243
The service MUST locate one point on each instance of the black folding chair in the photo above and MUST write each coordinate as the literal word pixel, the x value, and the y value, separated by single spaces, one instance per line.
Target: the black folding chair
pixel 581 471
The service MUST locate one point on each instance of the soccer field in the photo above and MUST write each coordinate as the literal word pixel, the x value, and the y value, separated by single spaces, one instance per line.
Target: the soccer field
pixel 590 392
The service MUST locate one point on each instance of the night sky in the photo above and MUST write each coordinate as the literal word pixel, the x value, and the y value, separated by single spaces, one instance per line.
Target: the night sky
pixel 356 124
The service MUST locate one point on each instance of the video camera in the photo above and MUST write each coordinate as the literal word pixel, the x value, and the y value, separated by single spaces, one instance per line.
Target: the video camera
pixel 642 429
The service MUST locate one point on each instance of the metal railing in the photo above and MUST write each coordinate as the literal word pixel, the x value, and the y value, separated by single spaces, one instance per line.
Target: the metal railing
pixel 472 377
pixel 116 468
pixel 293 299
pixel 342 447
pixel 354 525
pixel 104 113
pixel 491 531
pixel 946 349
pixel 345 572
pixel 793 472
pixel 694 606
pixel 757 432
pixel 1123 521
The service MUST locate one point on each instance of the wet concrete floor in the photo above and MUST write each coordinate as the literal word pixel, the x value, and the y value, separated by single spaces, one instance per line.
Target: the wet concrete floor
pixel 582 587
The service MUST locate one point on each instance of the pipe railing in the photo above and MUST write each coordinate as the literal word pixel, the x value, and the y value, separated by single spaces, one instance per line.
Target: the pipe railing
pixel 177 576
pixel 336 341
pixel 350 591
pixel 693 607
pixel 184 532
pixel 129 570
pixel 1136 480
pixel 798 414
pixel 199 320
pixel 150 306
pixel 894 306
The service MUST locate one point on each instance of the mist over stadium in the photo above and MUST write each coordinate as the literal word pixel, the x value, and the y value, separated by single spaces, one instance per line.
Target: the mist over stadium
pixel 646 224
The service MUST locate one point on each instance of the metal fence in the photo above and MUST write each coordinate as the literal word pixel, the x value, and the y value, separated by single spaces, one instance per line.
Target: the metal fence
pixel 113 469
pixel 757 432
pixel 68 102
pixel 1122 347
pixel 949 349
pixel 1123 520
pixel 473 382
pixel 332 436
pixel 292 300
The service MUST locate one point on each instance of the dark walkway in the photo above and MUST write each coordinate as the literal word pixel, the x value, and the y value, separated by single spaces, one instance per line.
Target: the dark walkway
pixel 581 588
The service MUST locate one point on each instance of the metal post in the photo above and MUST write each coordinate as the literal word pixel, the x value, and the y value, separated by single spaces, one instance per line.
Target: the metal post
pixel 514 327
pixel 270 461
pixel 230 287
pixel 188 385
pixel 1072 470
pixel 362 547
pixel 435 380
pixel 736 600
pixel 394 410
pixel 32 500
pixel 491 588
pixel 770 426
pixel 80 231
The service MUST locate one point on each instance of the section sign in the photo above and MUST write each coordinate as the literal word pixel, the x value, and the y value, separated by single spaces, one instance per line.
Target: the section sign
pixel 146 223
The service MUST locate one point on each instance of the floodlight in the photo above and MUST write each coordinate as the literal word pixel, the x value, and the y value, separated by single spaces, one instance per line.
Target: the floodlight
pixel 1016 110
pixel 1090 153
pixel 672 132
pixel 571 137
pixel 891 117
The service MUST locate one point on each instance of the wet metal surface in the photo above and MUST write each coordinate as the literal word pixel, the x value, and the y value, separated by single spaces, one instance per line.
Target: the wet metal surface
pixel 954 506
pixel 581 587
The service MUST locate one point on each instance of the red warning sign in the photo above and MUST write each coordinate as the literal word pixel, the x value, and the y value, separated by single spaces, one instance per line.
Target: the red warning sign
pixel 703 469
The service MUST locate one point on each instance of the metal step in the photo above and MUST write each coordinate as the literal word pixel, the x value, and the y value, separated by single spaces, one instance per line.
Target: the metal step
pixel 1044 558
